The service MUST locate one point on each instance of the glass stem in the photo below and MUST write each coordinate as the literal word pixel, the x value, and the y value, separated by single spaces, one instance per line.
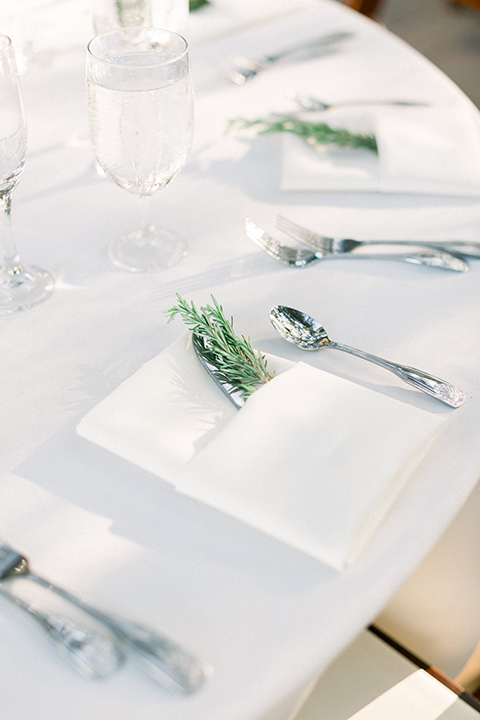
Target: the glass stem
pixel 11 260
pixel 145 207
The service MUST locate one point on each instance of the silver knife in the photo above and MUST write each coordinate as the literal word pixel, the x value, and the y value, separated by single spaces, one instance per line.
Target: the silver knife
pixel 235 394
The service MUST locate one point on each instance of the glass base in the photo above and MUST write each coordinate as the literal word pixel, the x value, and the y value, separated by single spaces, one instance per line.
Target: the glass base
pixel 23 286
pixel 156 250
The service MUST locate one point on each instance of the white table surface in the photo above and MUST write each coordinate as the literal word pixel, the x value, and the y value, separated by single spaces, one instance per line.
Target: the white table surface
pixel 267 617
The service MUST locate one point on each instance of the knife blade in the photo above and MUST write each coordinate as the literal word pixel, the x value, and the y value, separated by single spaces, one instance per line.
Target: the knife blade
pixel 235 394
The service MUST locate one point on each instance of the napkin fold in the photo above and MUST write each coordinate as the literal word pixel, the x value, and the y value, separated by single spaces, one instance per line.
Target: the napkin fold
pixel 312 460
pixel 432 151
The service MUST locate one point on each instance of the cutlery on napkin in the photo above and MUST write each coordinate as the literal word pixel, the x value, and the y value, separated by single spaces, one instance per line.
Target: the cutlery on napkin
pixel 312 460
pixel 423 150
pixel 235 394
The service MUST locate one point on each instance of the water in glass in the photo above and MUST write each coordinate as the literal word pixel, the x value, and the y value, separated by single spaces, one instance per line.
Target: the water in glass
pixel 141 122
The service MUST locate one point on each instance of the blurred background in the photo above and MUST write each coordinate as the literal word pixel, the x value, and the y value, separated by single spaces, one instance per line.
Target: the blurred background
pixel 447 33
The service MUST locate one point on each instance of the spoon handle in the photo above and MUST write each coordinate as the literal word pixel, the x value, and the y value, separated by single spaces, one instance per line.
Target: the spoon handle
pixel 429 384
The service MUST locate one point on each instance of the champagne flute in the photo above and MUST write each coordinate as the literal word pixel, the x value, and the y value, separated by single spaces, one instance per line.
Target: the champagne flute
pixel 20 285
pixel 140 108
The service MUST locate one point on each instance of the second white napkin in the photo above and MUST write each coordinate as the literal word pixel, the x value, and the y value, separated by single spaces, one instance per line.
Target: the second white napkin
pixel 311 459
pixel 433 151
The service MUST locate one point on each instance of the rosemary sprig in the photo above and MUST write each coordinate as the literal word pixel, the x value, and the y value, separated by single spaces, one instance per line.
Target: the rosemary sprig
pixel 313 133
pixel 233 355
pixel 196 4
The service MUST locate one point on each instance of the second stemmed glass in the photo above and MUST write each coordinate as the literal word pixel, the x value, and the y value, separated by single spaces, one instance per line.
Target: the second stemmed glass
pixel 20 285
pixel 140 107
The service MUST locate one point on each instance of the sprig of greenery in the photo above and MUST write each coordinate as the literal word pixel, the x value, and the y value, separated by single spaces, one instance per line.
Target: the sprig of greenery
pixel 233 355
pixel 196 4
pixel 314 133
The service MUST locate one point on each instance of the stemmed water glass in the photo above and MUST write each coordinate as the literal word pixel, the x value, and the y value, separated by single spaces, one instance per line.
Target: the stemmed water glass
pixel 140 108
pixel 20 285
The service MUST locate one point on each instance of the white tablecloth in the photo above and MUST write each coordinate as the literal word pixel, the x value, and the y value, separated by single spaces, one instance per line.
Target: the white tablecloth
pixel 267 617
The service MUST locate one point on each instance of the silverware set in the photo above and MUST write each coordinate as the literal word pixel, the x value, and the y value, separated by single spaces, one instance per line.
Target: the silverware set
pixel 98 650
pixel 307 333
pixel 310 103
pixel 323 243
pixel 444 255
pixel 244 68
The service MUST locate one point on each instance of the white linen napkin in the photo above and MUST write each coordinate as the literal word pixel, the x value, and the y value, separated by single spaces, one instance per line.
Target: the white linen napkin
pixel 311 459
pixel 433 151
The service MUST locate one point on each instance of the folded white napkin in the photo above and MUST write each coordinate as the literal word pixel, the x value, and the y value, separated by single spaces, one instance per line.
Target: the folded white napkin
pixel 417 697
pixel 311 459
pixel 433 151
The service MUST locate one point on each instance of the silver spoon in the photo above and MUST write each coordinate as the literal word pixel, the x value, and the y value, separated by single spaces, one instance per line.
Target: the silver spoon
pixel 304 331
pixel 92 653
pixel 310 103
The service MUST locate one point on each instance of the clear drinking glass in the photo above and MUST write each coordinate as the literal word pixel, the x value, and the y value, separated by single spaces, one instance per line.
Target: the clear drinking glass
pixel 140 107
pixel 20 285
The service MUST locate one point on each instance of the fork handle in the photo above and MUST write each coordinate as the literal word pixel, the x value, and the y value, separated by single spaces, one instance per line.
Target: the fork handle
pixel 430 258
pixel 429 384
pixel 164 660
pixel 329 39
pixel 465 247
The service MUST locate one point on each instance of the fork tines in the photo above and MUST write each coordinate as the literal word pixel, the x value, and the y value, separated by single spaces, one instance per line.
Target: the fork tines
pixel 293 257
pixel 302 234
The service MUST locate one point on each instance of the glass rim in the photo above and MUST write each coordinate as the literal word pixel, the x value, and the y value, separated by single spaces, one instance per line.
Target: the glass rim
pixel 119 31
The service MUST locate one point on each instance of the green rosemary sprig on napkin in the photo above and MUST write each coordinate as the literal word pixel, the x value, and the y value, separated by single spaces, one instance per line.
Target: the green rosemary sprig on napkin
pixel 233 355
pixel 314 133
pixel 196 4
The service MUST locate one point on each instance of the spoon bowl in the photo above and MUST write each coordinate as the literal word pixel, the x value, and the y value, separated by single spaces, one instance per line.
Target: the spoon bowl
pixel 298 328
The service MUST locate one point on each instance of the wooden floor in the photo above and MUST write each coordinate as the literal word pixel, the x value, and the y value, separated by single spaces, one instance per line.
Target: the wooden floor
pixel 447 34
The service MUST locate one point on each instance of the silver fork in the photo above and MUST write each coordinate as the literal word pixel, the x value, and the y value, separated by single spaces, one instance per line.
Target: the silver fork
pixel 325 244
pixel 299 257
pixel 163 659
pixel 248 68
